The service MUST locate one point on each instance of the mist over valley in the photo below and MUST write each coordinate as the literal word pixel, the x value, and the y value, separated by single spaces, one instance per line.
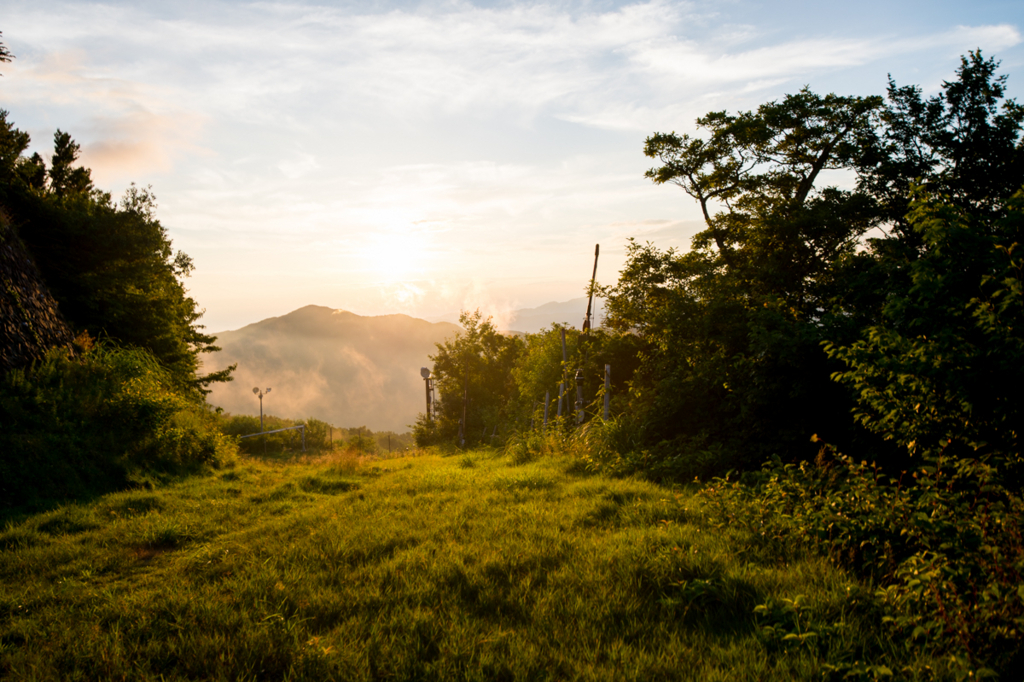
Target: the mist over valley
pixel 348 369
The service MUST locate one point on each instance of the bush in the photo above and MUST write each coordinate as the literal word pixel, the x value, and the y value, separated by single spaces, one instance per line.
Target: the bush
pixel 943 544
pixel 73 426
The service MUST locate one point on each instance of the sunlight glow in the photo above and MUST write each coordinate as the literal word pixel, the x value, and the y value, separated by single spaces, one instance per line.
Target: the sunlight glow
pixel 396 255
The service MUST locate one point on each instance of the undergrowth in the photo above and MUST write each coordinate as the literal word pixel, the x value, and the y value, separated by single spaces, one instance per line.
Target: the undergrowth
pixel 75 426
pixel 941 547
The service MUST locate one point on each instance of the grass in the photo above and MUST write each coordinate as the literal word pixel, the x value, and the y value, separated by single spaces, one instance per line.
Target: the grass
pixel 422 568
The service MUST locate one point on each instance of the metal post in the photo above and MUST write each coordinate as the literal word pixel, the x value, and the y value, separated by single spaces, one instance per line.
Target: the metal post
pixel 425 373
pixel 561 393
pixel 303 437
pixel 256 391
pixel 547 401
pixel 607 390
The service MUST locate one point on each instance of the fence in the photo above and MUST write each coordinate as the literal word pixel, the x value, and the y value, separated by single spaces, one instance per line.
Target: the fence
pixel 287 428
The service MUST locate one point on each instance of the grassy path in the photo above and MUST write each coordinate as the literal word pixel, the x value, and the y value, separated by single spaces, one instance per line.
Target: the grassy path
pixel 425 568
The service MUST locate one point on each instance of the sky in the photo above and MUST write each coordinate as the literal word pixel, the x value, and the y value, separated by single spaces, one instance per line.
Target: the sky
pixel 425 157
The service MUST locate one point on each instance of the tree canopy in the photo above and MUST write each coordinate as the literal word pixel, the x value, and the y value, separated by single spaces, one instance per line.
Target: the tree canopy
pixel 902 279
pixel 110 265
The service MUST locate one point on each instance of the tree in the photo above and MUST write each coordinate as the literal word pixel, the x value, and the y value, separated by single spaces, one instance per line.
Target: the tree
pixel 938 368
pixel 962 144
pixel 64 178
pixel 109 265
pixel 762 165
pixel 732 369
pixel 540 369
pixel 473 376
pixel 5 54
pixel 942 372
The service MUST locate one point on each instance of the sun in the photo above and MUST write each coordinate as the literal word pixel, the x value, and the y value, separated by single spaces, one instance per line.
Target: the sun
pixel 396 255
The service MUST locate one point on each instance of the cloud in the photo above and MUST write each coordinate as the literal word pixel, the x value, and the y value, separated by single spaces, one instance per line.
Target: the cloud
pixel 292 65
pixel 130 128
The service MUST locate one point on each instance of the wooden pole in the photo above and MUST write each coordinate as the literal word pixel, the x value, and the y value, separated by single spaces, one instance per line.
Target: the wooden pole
pixel 590 300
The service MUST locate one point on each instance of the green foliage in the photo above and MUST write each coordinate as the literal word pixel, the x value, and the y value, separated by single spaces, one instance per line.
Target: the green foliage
pixel 321 437
pixel 65 179
pixel 274 444
pixel 944 367
pixel 109 265
pixel 363 444
pixel 75 426
pixel 961 144
pixel 5 54
pixel 473 377
pixel 540 370
pixel 943 546
pixel 731 333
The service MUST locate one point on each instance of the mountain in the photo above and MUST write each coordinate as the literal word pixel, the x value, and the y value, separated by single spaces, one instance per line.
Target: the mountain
pixel 532 320
pixel 334 365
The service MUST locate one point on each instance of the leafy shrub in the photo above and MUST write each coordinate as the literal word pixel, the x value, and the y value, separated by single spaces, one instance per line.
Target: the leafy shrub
pixel 943 544
pixel 71 426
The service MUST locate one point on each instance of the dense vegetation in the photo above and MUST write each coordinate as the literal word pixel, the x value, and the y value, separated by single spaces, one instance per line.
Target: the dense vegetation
pixel 883 317
pixel 122 405
pixel 320 437
pixel 864 341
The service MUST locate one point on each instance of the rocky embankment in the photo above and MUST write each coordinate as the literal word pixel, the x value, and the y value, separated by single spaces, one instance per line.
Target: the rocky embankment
pixel 30 322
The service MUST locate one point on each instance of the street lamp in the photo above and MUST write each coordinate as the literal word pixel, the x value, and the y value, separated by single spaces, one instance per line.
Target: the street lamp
pixel 425 373
pixel 260 393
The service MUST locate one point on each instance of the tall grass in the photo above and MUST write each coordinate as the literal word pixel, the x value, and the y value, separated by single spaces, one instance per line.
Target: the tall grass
pixel 473 567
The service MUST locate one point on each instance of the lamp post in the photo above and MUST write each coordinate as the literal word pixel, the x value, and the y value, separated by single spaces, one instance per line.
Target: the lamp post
pixel 425 373
pixel 260 393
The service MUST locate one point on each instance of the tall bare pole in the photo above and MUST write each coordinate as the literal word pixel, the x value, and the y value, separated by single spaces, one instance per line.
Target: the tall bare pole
pixel 590 300
pixel 585 337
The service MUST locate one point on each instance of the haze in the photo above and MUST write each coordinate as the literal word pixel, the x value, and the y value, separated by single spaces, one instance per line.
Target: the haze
pixel 420 158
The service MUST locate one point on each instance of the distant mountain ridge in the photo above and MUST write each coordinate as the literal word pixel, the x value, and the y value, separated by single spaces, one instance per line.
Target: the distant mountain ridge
pixel 330 364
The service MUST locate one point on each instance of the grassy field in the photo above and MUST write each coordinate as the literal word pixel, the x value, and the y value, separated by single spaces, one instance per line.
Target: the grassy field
pixel 422 568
